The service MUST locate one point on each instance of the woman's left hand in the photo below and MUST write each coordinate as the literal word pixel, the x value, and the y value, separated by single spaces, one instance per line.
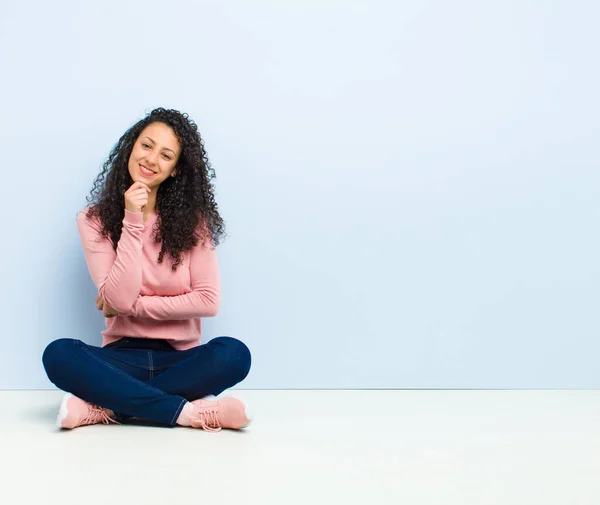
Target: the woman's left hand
pixel 105 307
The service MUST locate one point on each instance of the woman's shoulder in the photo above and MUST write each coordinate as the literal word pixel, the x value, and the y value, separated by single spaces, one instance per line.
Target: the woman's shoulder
pixel 82 215
pixel 204 235
pixel 85 221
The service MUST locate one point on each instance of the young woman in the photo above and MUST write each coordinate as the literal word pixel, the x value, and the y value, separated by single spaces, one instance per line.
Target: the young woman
pixel 149 239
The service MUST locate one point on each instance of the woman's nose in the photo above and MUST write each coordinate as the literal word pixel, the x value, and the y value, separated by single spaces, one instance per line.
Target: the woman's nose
pixel 152 157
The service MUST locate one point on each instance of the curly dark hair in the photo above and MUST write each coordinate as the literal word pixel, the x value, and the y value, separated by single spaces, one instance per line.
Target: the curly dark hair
pixel 185 204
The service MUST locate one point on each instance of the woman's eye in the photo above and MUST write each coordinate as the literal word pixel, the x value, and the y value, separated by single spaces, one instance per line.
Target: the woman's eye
pixel 166 157
pixel 145 145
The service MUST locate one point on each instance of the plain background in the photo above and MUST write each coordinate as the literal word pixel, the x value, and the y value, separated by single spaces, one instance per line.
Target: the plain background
pixel 410 188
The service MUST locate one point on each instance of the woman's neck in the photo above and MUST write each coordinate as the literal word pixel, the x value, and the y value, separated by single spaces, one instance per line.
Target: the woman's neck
pixel 150 208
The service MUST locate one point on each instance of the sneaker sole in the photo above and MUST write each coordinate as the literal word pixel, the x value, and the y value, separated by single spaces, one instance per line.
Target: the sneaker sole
pixel 62 413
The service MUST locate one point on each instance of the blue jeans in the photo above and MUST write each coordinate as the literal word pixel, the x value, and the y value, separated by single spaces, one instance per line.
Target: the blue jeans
pixel 145 378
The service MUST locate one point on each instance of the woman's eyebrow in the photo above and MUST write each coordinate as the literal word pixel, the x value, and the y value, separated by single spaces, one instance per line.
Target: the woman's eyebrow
pixel 146 137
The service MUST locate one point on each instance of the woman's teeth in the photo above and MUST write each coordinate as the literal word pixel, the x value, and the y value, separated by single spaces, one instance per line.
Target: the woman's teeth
pixel 146 172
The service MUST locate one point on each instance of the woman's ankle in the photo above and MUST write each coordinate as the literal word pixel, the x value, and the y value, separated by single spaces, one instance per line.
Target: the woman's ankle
pixel 187 413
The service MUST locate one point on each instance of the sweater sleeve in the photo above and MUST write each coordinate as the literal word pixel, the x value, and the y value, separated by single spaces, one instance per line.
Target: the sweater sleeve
pixel 202 301
pixel 116 274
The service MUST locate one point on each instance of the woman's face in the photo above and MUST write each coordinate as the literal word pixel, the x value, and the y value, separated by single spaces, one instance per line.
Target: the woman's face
pixel 154 155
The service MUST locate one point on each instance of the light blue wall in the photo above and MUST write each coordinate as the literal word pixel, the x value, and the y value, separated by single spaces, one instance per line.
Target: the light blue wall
pixel 410 188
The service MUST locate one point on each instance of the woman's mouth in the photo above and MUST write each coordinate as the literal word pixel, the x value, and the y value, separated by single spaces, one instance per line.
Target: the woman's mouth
pixel 145 171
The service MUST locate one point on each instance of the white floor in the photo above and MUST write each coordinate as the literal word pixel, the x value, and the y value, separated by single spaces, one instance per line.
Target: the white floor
pixel 316 447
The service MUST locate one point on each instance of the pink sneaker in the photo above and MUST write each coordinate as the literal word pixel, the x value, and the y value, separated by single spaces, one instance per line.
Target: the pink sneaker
pixel 227 412
pixel 76 412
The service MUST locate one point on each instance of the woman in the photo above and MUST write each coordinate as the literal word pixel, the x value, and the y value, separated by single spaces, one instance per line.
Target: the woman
pixel 153 202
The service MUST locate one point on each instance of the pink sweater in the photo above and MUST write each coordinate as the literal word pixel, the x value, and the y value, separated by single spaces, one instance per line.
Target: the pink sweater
pixel 152 300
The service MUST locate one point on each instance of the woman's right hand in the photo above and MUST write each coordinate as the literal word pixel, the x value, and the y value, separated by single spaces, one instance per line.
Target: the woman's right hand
pixel 136 197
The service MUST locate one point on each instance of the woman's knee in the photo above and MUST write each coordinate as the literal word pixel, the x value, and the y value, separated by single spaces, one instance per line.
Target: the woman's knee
pixel 56 355
pixel 237 356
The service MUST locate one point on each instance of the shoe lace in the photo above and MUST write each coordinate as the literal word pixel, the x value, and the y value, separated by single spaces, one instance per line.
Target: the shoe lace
pixel 208 420
pixel 97 415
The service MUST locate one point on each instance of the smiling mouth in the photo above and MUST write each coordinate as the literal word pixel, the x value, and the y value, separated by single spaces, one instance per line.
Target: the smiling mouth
pixel 145 171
